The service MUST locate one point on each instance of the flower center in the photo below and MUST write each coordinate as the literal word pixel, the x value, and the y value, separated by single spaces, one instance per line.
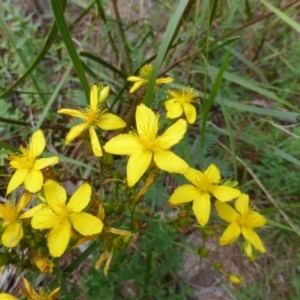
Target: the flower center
pixel 205 184
pixel 22 160
pixel 93 115
pixel 146 71
pixel 186 95
pixel 8 213
pixel 244 218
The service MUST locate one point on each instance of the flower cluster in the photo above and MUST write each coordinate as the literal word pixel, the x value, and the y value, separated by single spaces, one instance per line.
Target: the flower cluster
pixel 45 222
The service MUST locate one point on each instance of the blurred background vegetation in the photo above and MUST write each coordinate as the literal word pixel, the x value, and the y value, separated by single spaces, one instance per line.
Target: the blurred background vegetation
pixel 249 129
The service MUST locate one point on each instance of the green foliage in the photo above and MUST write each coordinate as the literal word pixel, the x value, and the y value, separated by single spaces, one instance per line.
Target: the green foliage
pixel 147 273
pixel 247 78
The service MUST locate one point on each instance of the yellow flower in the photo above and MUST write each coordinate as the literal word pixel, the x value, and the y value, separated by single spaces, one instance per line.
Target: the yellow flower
pixel 145 74
pixel 44 264
pixel 143 146
pixel 61 216
pixel 93 117
pixel 179 102
pixel 241 220
pixel 31 294
pixel 235 279
pixel 204 184
pixel 10 214
pixel 28 168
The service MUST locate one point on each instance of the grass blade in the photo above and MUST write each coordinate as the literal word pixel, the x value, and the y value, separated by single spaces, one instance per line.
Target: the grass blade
pixel 162 51
pixel 66 36
pixel 49 40
pixel 22 56
pixel 213 94
pixel 101 61
pixel 282 16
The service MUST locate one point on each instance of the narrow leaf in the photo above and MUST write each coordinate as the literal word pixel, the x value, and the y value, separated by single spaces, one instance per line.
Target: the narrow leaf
pixel 66 36
pixel 171 29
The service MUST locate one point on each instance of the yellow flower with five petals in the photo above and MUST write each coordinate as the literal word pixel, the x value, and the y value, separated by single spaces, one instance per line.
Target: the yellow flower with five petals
pixel 203 185
pixel 13 231
pixel 93 117
pixel 60 217
pixel 144 146
pixel 145 73
pixel 31 294
pixel 242 220
pixel 28 167
pixel 179 102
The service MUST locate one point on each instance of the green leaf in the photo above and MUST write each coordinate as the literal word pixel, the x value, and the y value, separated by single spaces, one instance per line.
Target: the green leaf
pixel 162 51
pixel 49 40
pixel 101 61
pixel 21 54
pixel 213 93
pixel 278 225
pixel 66 36
pixel 282 15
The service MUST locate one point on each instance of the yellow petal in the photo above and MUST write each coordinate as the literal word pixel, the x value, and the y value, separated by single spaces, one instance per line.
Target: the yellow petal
pixel 72 112
pixel 5 296
pixel 38 144
pixel 146 122
pixel 58 239
pixel 119 231
pixel 94 97
pixel 136 86
pixel 30 291
pixel 137 165
pixel 33 181
pixel 75 131
pixel 212 174
pixel 201 208
pixel 174 109
pixel 12 235
pixel 45 218
pixel 231 234
pixel 80 199
pixel 164 80
pixel 170 162
pixel 183 194
pixel 110 122
pixel 190 112
pixel 53 295
pixel 31 212
pixel 135 79
pixel 253 238
pixel 103 94
pixel 45 162
pixel 101 259
pixel 235 279
pixel 25 199
pixel 95 143
pixel 55 194
pixel 225 193
pixel 256 220
pixel 86 224
pixel 123 144
pixel 242 203
pixel 108 261
pixel 173 134
pixel 194 176
pixel 226 212
pixel 16 180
